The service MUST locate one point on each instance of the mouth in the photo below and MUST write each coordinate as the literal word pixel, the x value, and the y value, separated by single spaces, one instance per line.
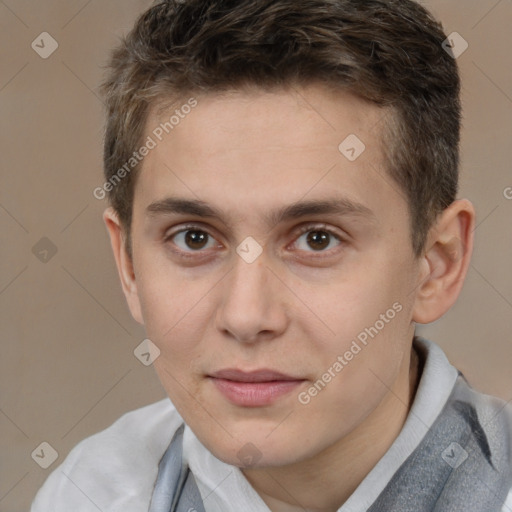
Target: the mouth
pixel 256 388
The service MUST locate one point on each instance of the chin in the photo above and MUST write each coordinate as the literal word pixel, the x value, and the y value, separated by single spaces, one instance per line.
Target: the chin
pixel 258 450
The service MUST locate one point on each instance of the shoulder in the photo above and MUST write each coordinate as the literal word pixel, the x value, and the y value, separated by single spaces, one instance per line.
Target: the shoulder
pixel 114 469
pixel 494 414
pixel 493 430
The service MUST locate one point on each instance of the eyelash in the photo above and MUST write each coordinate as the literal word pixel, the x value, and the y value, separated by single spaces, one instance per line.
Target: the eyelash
pixel 302 231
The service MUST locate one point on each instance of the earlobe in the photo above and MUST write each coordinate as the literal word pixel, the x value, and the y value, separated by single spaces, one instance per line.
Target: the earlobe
pixel 445 262
pixel 123 262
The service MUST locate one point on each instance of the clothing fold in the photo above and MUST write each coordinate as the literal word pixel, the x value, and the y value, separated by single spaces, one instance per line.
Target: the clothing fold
pixel 175 487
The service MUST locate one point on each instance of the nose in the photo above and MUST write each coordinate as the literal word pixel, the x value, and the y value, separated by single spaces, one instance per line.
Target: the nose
pixel 253 302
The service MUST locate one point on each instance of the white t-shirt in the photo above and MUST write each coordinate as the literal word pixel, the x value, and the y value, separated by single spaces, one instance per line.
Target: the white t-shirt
pixel 115 470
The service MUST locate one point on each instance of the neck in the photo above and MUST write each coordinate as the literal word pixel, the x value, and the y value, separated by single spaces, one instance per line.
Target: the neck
pixel 315 484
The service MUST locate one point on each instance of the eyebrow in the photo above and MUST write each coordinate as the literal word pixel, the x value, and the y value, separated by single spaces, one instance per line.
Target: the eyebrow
pixel 337 206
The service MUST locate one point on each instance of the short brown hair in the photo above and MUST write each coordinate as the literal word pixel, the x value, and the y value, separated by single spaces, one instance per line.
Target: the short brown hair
pixel 388 52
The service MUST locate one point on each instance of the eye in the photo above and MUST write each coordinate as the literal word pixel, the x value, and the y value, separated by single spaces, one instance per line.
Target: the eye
pixel 318 238
pixel 192 239
pixel 311 238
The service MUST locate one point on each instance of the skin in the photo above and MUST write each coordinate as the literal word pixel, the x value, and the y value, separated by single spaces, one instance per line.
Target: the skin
pixel 297 307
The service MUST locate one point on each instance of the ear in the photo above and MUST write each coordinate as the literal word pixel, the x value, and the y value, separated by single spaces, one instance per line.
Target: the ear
pixel 445 262
pixel 123 262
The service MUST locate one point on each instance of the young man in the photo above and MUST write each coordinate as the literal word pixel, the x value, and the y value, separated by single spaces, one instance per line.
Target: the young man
pixel 283 180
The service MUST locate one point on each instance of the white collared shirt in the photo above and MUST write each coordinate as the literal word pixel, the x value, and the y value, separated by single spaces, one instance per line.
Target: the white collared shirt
pixel 115 470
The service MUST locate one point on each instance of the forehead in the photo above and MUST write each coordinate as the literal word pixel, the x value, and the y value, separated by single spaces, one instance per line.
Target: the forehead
pixel 247 151
pixel 256 119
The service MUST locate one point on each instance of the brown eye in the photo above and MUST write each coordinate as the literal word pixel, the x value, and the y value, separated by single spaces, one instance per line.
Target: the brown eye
pixel 196 239
pixel 192 240
pixel 317 239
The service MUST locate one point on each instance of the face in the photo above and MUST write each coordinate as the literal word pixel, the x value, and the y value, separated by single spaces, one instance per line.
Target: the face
pixel 273 270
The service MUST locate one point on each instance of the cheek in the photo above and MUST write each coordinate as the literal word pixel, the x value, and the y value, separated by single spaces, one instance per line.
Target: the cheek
pixel 358 372
pixel 168 295
pixel 371 295
pixel 173 323
pixel 370 318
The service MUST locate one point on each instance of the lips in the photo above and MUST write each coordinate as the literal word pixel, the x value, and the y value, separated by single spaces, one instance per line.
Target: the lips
pixel 254 389
pixel 263 375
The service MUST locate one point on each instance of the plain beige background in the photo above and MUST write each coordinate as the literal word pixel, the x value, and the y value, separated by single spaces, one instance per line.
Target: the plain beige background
pixel 67 367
